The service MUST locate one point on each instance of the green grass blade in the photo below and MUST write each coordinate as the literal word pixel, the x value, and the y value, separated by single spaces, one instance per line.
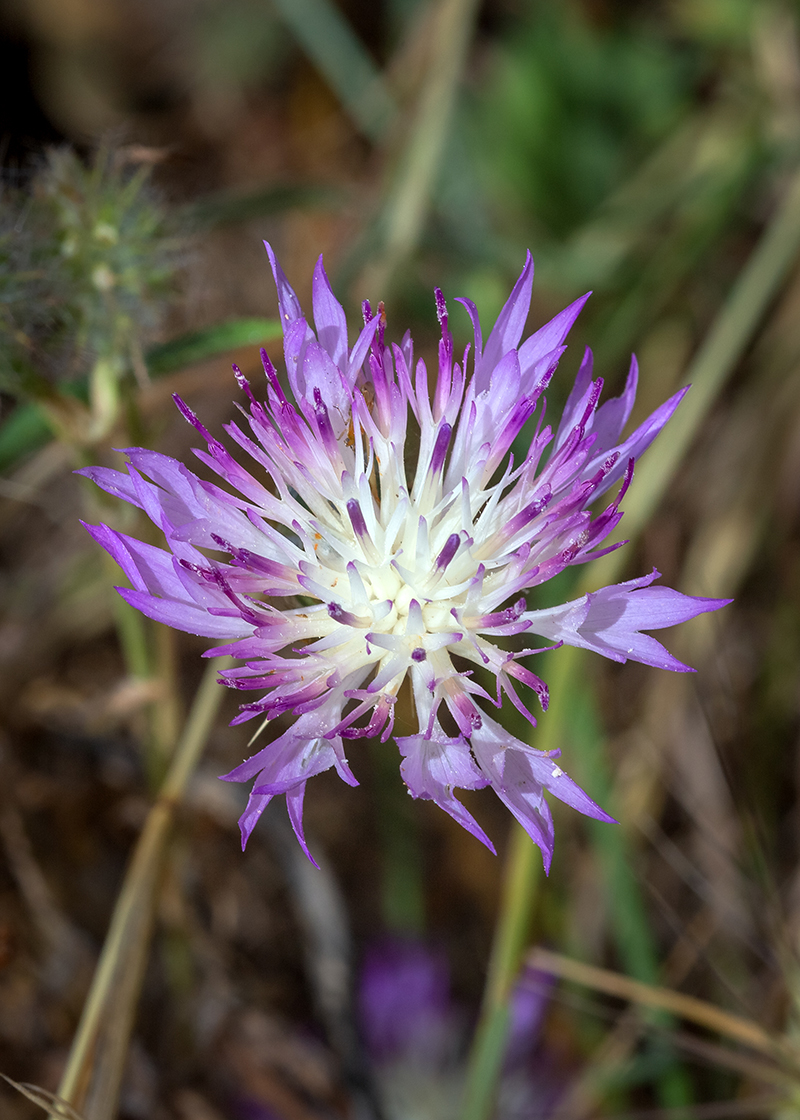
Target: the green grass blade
pixel 25 431
pixel 726 342
pixel 402 217
pixel 199 345
pixel 332 45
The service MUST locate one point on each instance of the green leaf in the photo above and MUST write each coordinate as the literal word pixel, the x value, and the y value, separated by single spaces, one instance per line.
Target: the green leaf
pixel 199 345
pixel 23 432
pixel 225 208
pixel 26 429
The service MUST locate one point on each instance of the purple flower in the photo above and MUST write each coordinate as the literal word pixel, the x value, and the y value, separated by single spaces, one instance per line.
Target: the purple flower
pixel 528 1005
pixel 350 568
pixel 405 1005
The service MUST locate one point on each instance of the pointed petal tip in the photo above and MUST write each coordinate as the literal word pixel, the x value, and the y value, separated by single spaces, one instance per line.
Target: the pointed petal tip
pixel 246 831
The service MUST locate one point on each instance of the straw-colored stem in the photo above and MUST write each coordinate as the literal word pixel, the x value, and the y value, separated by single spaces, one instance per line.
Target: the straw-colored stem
pixel 97 1059
pixel 406 205
pixel 699 1011
pixel 726 342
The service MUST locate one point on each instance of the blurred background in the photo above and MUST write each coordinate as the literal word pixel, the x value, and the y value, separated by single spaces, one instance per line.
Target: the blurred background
pixel 639 149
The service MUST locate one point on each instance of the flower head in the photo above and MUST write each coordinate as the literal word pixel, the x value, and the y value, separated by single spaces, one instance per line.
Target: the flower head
pixel 353 565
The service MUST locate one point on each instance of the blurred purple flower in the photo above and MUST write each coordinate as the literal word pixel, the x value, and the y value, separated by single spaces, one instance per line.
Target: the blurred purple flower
pixel 404 1003
pixel 250 1108
pixel 528 1006
pixel 398 572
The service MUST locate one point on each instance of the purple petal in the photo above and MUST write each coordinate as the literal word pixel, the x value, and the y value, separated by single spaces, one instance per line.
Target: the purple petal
pixel 256 804
pixel 508 329
pixel 548 338
pixel 296 755
pixel 519 776
pixel 113 482
pixel 572 409
pixel 319 372
pixel 472 311
pixel 296 337
pixel 148 568
pixel 609 621
pixel 185 616
pixel 329 318
pixel 433 767
pixel 287 300
pixel 636 443
pixel 294 805
pixel 361 348
pixel 611 417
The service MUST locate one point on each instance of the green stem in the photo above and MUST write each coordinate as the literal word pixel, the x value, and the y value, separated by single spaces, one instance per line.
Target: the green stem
pixel 511 938
pixel 132 634
pixel 723 347
pixel 402 880
pixel 97 1059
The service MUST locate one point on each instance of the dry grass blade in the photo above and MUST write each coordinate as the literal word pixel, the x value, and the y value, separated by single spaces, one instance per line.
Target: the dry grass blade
pixel 664 999
pixel 711 367
pixel 96 1062
pixel 730 335
pixel 48 1101
pixel 717 1056
pixel 404 210
pixel 714 1110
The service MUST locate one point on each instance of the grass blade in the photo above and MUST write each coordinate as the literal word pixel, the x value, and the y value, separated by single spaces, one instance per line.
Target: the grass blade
pixel 330 42
pixel 199 345
pixel 402 217
pixel 694 1010
pixel 726 342
pixel 96 1063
